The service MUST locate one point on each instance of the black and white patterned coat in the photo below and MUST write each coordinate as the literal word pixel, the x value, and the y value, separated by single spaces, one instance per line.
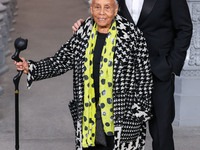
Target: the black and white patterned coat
pixel 132 81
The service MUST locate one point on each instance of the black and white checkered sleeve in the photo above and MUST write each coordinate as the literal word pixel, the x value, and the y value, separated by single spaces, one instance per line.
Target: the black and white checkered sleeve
pixel 50 67
pixel 143 78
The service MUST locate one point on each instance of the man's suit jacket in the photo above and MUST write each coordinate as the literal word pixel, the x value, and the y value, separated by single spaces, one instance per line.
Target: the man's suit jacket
pixel 167 27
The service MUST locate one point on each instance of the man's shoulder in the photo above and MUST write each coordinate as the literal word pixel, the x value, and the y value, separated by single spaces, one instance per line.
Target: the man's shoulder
pixel 85 27
pixel 123 20
pixel 129 27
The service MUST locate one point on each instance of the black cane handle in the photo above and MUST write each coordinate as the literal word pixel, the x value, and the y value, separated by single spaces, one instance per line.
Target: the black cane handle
pixel 20 45
pixel 16 80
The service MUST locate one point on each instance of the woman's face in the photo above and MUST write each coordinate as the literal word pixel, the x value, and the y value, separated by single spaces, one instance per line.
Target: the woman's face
pixel 103 12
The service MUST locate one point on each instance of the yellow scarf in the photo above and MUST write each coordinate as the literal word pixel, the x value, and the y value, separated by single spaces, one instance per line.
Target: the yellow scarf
pixel 105 87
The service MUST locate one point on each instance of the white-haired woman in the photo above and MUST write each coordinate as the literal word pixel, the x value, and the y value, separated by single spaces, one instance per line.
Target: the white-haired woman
pixel 112 80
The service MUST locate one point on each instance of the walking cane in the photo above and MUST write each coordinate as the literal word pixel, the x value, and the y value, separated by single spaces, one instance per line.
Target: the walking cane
pixel 20 45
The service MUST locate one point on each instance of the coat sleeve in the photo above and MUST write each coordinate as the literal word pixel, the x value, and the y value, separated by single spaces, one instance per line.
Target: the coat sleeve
pixel 142 78
pixel 53 66
pixel 183 33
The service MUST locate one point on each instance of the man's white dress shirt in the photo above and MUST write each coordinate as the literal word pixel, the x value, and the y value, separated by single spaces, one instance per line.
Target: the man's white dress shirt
pixel 135 8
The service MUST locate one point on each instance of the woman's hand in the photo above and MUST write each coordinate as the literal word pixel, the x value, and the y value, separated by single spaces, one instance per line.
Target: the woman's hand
pixel 22 66
pixel 77 25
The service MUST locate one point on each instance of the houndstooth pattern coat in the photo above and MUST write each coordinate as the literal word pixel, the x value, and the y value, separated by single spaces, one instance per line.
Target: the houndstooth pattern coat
pixel 132 81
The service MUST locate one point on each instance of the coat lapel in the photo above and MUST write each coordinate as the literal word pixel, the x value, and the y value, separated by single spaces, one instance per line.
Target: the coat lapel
pixel 121 50
pixel 146 10
pixel 124 11
pixel 84 35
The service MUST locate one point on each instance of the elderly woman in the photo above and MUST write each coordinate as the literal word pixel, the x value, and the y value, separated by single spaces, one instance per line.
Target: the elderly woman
pixel 112 80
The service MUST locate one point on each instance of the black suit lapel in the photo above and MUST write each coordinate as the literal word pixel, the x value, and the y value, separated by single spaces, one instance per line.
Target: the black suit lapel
pixel 123 11
pixel 146 9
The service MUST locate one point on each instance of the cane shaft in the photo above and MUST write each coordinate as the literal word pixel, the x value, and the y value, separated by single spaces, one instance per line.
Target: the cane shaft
pixel 16 80
pixel 16 119
pixel 20 45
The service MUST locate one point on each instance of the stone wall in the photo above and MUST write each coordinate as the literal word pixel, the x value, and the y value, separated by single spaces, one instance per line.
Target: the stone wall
pixel 7 13
pixel 187 91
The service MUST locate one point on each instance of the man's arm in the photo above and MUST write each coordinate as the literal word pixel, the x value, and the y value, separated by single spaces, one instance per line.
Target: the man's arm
pixel 183 29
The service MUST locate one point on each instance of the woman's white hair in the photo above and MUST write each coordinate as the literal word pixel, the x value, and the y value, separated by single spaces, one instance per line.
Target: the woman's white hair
pixel 90 2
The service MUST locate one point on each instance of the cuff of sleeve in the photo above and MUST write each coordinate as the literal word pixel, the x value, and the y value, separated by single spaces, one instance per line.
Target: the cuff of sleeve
pixel 31 73
pixel 136 112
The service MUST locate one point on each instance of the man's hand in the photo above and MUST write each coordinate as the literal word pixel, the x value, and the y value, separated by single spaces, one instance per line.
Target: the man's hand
pixel 22 66
pixel 77 25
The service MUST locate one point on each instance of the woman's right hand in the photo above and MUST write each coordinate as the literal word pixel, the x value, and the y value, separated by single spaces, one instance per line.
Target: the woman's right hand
pixel 22 66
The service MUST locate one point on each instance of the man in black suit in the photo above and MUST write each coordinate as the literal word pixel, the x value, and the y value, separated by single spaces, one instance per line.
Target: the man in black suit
pixel 167 27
